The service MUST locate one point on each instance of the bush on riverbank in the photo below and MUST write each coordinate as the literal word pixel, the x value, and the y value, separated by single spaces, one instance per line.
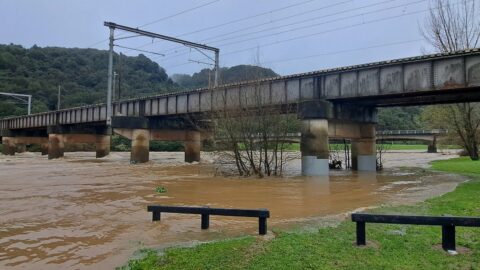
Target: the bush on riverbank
pixel 390 246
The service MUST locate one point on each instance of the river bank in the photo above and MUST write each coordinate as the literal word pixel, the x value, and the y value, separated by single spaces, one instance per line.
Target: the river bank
pixel 332 247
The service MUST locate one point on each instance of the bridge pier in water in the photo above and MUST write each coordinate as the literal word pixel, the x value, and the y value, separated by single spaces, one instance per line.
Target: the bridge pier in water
pixel 322 120
pixel 314 147
pixel 192 145
pixel 61 138
pixel 364 153
pixel 56 146
pixel 141 131
pixel 8 146
pixel 140 152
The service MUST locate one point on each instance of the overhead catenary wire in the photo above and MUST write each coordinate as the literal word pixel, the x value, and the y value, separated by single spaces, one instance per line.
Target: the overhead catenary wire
pixel 314 34
pixel 311 25
pixel 333 52
pixel 255 16
pixel 135 49
pixel 162 19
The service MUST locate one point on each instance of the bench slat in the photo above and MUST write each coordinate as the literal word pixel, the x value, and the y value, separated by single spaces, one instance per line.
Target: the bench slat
pixel 417 220
pixel 210 211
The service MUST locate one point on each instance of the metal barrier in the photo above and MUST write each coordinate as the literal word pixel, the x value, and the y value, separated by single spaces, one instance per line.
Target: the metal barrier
pixel 448 225
pixel 205 213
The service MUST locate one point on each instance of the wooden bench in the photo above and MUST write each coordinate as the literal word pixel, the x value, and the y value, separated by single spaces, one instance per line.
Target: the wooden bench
pixel 448 225
pixel 205 213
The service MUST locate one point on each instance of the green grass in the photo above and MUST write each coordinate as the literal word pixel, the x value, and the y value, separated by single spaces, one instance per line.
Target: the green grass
pixel 390 246
pixel 462 165
pixel 296 147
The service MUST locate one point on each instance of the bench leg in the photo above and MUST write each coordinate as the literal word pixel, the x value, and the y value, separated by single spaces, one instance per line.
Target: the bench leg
pixel 262 225
pixel 361 241
pixel 205 221
pixel 448 237
pixel 155 216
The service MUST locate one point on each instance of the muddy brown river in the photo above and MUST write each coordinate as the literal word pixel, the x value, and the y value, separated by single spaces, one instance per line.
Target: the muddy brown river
pixel 83 213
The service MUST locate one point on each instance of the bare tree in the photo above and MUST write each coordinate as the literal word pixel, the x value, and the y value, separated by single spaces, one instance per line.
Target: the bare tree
pixel 254 135
pixel 381 148
pixel 448 28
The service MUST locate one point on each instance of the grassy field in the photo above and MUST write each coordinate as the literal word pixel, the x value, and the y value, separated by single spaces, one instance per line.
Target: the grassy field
pixel 296 147
pixel 389 246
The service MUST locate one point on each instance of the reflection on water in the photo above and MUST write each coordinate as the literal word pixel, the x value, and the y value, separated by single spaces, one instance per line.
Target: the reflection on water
pixel 83 213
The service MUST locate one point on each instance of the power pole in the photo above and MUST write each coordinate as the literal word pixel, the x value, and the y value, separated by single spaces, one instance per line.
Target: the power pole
pixel 29 109
pixel 187 43
pixel 59 97
pixel 114 93
pixel 217 68
pixel 19 97
pixel 120 75
pixel 110 83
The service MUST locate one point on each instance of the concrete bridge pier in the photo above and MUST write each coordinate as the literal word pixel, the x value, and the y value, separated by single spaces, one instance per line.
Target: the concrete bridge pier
pixel 314 147
pixel 432 146
pixel 102 145
pixel 8 146
pixel 364 153
pixel 192 145
pixel 315 138
pixel 140 152
pixel 44 148
pixel 20 148
pixel 56 146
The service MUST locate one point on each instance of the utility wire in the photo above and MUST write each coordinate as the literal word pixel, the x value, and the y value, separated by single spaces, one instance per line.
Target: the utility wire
pixel 239 20
pixel 315 34
pixel 164 18
pixel 318 24
pixel 179 13
pixel 344 51
pixel 312 25
pixel 139 50
pixel 265 23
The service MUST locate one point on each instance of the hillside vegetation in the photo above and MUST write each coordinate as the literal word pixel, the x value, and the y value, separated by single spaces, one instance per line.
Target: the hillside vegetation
pixel 81 73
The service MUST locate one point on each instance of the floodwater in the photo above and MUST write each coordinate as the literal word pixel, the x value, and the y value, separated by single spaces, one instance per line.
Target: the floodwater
pixel 83 213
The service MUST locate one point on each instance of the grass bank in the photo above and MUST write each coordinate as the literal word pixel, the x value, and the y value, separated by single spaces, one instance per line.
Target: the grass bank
pixel 390 246
pixel 396 146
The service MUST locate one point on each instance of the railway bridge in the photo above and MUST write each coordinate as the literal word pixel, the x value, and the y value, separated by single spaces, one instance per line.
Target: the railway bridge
pixel 333 103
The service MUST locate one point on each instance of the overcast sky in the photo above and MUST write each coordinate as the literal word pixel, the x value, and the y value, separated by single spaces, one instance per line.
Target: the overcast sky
pixel 316 34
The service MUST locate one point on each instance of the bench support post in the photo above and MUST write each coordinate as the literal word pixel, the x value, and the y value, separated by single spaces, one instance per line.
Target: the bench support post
pixel 361 234
pixel 262 225
pixel 448 237
pixel 155 216
pixel 205 221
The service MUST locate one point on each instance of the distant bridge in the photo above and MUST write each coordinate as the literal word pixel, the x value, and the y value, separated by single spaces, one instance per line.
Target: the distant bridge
pixel 340 102
pixel 430 136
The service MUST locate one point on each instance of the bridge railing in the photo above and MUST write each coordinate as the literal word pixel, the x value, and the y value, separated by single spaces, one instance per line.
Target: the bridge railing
pixel 412 132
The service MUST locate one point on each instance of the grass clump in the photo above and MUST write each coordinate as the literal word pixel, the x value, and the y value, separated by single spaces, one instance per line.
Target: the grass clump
pixel 161 189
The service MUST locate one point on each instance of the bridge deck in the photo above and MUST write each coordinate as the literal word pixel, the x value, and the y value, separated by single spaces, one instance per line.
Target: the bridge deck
pixel 438 78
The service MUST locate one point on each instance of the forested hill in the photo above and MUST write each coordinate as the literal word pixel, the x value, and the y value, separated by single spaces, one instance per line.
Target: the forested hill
pixel 80 72
pixel 239 73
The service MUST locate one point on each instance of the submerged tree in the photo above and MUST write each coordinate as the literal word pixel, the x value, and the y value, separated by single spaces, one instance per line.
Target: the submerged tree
pixel 451 27
pixel 252 135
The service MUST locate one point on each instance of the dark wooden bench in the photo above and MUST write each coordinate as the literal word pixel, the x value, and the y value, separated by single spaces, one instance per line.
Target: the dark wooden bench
pixel 205 213
pixel 448 225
